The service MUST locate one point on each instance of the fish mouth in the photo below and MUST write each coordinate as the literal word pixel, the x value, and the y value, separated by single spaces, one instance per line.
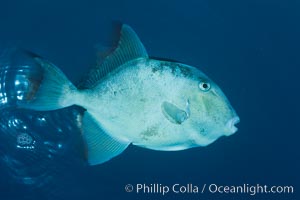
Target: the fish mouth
pixel 230 125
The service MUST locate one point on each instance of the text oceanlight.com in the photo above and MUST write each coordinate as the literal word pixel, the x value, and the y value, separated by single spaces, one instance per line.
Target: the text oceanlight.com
pixel 163 189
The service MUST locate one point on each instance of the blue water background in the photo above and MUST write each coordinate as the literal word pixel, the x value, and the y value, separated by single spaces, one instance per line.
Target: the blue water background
pixel 249 48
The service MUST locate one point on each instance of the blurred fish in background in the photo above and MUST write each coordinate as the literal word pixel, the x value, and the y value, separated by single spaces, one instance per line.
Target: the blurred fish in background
pixel 36 148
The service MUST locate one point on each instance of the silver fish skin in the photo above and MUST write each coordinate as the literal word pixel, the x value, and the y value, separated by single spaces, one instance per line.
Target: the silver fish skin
pixel 131 98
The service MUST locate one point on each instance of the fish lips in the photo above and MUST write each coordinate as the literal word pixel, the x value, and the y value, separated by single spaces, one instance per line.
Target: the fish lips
pixel 230 125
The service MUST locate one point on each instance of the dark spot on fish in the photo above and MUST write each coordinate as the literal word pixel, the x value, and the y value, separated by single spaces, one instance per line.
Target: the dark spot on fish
pixel 158 68
pixel 142 99
pixel 34 86
pixel 180 70
pixel 177 69
pixel 150 132
pixel 154 69
pixel 203 132
pixel 115 93
pixel 174 67
pixel 186 72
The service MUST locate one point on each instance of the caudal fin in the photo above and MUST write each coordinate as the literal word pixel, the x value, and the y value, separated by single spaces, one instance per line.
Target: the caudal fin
pixel 53 91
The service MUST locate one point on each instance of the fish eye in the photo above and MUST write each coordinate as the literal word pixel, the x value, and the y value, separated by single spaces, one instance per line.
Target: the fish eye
pixel 204 86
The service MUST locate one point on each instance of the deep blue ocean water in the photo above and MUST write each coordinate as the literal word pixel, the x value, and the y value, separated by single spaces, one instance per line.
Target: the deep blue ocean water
pixel 249 48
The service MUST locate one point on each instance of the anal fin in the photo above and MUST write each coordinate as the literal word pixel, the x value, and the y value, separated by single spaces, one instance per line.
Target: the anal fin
pixel 101 147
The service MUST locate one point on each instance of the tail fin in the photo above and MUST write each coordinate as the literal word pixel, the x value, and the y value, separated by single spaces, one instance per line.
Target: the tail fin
pixel 53 91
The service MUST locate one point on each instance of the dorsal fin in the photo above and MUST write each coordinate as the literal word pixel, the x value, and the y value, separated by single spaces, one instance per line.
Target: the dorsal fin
pixel 129 47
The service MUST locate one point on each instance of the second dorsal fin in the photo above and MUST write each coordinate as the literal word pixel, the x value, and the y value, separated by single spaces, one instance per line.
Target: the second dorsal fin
pixel 129 47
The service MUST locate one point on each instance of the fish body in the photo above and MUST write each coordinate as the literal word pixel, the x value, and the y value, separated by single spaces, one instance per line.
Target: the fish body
pixel 131 98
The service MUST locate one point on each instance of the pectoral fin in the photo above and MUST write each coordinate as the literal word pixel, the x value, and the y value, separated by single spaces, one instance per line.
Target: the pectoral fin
pixel 173 113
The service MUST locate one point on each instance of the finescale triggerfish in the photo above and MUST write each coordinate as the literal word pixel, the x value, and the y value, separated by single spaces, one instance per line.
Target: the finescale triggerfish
pixel 131 98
